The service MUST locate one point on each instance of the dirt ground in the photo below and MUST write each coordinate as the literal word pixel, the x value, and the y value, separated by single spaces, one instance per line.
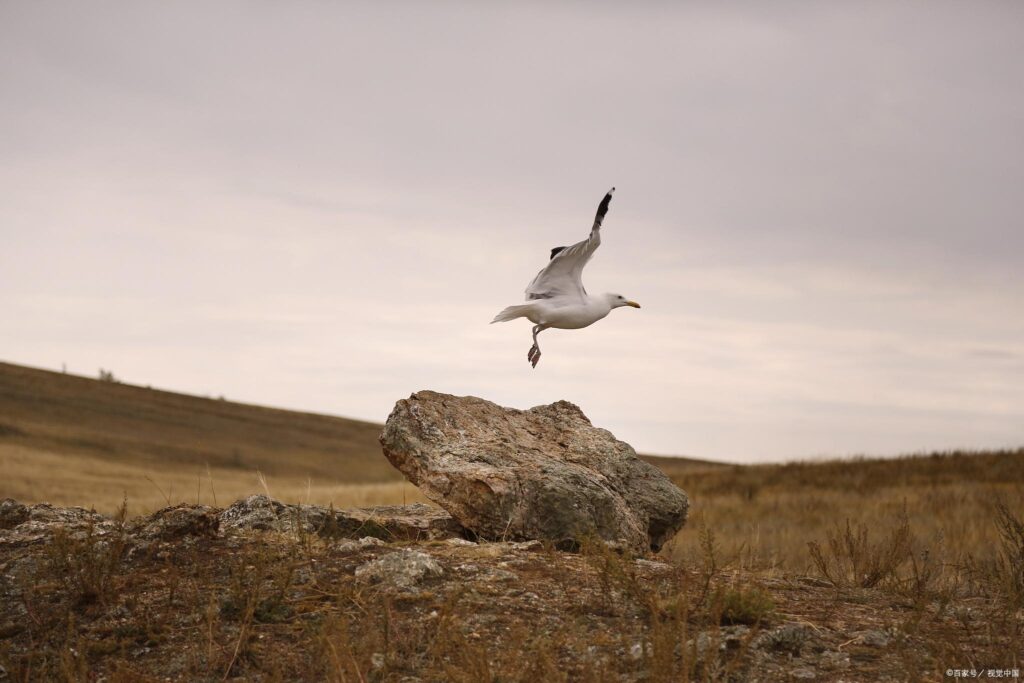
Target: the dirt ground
pixel 180 597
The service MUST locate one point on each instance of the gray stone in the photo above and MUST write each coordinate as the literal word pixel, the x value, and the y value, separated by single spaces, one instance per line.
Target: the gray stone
pixel 497 574
pixel 12 513
pixel 725 639
pixel 834 660
pixel 177 521
pixel 544 473
pixel 458 542
pixel 789 638
pixel 361 544
pixel 650 565
pixel 258 512
pixel 875 638
pixel 26 525
pixel 527 545
pixel 388 522
pixel 413 522
pixel 403 569
pixel 636 651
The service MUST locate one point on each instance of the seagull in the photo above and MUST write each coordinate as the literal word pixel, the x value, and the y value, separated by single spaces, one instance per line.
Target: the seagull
pixel 556 296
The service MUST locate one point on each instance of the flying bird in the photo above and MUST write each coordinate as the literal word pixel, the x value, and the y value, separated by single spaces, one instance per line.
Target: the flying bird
pixel 556 297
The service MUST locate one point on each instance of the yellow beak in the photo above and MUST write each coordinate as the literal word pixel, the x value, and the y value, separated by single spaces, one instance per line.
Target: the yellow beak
pixel 633 304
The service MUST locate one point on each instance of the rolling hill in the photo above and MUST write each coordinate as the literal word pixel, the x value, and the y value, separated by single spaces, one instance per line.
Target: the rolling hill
pixel 75 440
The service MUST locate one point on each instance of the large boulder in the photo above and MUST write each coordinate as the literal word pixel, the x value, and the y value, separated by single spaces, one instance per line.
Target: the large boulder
pixel 544 473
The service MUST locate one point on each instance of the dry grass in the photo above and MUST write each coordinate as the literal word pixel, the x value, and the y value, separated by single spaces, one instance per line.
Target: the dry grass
pixel 76 441
pixel 125 424
pixel 34 476
pixel 765 515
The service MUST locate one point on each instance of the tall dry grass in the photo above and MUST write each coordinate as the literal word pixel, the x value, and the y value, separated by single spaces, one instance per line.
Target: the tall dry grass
pixel 765 515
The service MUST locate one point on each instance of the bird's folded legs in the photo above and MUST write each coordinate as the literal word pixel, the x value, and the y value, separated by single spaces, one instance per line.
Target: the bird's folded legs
pixel 534 354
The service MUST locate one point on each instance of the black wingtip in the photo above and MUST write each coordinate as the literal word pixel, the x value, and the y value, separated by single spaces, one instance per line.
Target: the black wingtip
pixel 602 208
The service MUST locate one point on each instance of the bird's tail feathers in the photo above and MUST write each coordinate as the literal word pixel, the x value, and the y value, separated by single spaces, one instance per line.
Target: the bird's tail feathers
pixel 511 313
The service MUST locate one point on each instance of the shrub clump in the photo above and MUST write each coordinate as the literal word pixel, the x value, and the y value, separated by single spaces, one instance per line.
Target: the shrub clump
pixel 744 605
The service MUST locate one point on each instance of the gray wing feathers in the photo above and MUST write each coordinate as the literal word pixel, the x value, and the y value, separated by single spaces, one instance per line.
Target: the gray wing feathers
pixel 563 274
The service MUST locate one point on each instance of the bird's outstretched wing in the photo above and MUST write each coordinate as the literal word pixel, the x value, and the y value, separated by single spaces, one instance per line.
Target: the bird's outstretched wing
pixel 564 273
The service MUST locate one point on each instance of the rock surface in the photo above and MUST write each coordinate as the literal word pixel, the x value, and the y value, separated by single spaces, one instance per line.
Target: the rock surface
pixel 403 569
pixel 25 524
pixel 389 522
pixel 544 473
pixel 30 524
pixel 178 521
pixel 415 521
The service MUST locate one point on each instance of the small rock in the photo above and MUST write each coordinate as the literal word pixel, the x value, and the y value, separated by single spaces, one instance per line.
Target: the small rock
pixel 804 673
pixel 789 638
pixel 178 521
pixel 403 569
pixel 526 545
pixel 413 522
pixel 12 513
pixel 255 512
pixel 500 575
pixel 22 525
pixel 835 660
pixel 653 566
pixel 636 651
pixel 458 542
pixel 361 544
pixel 728 638
pixel 875 638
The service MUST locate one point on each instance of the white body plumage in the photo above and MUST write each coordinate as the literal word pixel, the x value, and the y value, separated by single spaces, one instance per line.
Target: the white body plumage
pixel 565 313
pixel 556 297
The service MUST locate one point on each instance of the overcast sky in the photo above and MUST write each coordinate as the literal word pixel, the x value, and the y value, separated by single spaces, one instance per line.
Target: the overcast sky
pixel 321 205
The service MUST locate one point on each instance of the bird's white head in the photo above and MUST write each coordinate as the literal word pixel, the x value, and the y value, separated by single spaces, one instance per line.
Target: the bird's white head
pixel 617 300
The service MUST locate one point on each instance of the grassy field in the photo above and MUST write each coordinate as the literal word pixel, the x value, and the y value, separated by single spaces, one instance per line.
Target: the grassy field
pixel 72 440
pixel 764 516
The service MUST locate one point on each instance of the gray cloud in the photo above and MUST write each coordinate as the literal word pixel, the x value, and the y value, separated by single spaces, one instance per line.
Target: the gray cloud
pixel 321 206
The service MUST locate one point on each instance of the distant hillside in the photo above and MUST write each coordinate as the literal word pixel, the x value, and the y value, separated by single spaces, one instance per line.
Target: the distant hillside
pixel 672 464
pixel 125 423
pixel 75 440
